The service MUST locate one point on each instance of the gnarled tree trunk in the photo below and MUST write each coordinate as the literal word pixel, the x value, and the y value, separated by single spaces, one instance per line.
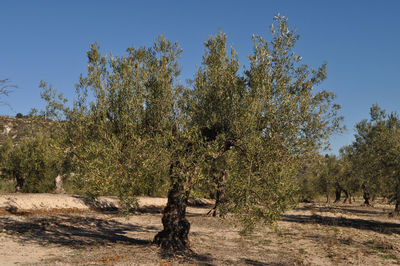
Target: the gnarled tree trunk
pixel 174 236
pixel 347 196
pixel 338 192
pixel 20 183
pixel 396 211
pixel 220 194
pixel 366 198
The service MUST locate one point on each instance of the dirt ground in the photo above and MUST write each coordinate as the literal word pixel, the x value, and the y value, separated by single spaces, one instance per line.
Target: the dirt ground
pixel 312 234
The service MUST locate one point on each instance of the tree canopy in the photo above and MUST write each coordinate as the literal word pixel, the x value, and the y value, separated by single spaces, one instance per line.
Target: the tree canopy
pixel 377 151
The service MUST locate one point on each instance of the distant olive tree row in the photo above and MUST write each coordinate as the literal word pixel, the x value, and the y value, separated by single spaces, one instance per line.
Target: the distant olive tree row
pixel 370 166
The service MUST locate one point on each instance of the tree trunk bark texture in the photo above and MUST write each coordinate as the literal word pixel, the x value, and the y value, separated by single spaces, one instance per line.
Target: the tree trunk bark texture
pixel 174 236
pixel 220 195
pixel 366 198
pixel 20 184
pixel 338 192
pixel 396 211
pixel 347 197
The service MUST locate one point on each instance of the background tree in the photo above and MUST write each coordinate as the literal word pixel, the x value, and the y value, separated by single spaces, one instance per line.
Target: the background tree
pixel 390 152
pixel 351 183
pixel 33 157
pixel 331 178
pixel 33 163
pixel 312 180
pixel 378 150
pixel 367 161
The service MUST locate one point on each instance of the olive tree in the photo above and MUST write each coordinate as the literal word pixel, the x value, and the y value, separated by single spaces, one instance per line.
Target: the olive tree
pixel 122 121
pixel 323 173
pixel 350 177
pixel 391 161
pixel 377 149
pixel 35 157
pixel 367 162
pixel 310 179
pixel 33 163
pixel 133 127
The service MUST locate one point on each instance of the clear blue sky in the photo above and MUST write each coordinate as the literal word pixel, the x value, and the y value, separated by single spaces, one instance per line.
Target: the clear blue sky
pixel 48 40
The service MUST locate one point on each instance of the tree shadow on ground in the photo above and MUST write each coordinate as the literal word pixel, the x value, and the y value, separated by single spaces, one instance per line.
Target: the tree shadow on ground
pixel 96 204
pixel 78 231
pixel 72 231
pixel 187 257
pixel 190 257
pixel 376 226
pixel 344 209
pixel 259 263
pixel 104 206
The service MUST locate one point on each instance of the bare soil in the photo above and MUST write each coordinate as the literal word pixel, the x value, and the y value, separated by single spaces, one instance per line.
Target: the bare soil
pixel 75 234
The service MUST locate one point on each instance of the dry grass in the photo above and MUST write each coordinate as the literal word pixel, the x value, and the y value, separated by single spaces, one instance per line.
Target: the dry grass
pixel 312 234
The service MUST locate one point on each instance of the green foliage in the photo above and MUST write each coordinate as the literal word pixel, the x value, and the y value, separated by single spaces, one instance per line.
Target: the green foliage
pixel 351 177
pixel 378 149
pixel 33 163
pixel 7 185
pixel 312 179
pixel 259 127
pixel 369 165
pixel 118 141
pixel 32 149
pixel 5 151
pixel 56 107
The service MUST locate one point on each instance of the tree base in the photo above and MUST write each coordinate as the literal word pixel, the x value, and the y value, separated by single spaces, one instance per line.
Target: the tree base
pixel 175 235
pixel 396 212
pixel 176 240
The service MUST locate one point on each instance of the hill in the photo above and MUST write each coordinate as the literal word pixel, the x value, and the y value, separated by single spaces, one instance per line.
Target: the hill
pixel 17 128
